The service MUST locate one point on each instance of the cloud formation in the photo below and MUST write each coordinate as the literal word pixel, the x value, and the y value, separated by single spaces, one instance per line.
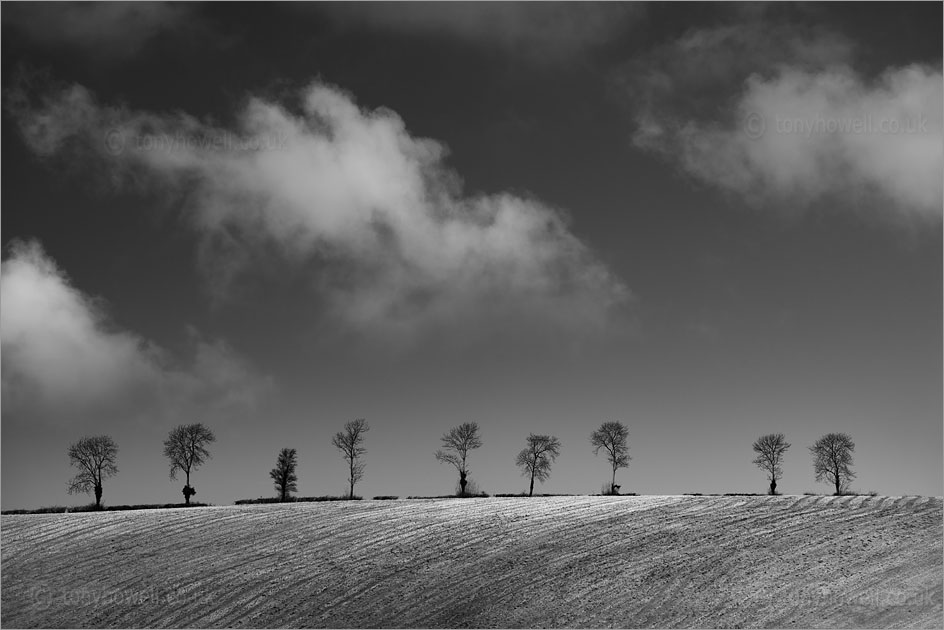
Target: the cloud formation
pixel 349 192
pixel 63 359
pixel 106 29
pixel 547 31
pixel 778 113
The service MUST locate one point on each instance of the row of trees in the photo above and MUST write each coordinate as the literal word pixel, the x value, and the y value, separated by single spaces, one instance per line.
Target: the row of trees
pixel 187 448
pixel 832 459
pixel 537 458
pixel 96 458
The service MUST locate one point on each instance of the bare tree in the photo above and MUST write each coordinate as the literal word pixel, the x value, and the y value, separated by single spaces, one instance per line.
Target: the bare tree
pixel 95 458
pixel 186 448
pixel 350 443
pixel 456 446
pixel 536 459
pixel 612 437
pixel 832 457
pixel 286 481
pixel 770 449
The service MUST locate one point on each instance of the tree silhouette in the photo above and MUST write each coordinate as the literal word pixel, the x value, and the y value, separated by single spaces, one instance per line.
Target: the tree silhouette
pixel 95 458
pixel 350 443
pixel 770 449
pixel 186 448
pixel 456 446
pixel 612 437
pixel 832 457
pixel 284 473
pixel 536 459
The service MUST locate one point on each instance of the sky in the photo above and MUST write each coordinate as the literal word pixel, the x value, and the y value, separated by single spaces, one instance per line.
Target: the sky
pixel 709 222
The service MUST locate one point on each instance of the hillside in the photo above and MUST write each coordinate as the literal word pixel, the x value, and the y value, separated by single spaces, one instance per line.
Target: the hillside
pixel 560 561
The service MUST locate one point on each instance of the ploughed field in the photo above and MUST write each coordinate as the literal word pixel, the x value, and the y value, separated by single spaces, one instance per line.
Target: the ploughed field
pixel 652 561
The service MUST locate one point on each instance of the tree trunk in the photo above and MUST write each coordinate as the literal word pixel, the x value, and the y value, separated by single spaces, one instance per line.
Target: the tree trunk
pixel 531 491
pixel 613 483
pixel 98 496
pixel 462 483
pixel 352 479
pixel 187 490
pixel 773 486
pixel 837 482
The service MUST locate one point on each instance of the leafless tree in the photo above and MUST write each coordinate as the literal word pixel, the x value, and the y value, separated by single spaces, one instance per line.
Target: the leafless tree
pixel 95 458
pixel 770 449
pixel 186 448
pixel 456 446
pixel 350 443
pixel 832 457
pixel 612 437
pixel 536 459
pixel 286 481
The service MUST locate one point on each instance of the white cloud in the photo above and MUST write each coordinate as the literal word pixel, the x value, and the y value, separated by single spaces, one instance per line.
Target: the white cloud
pixel 778 114
pixel 396 243
pixel 54 338
pixel 63 360
pixel 106 29
pixel 547 31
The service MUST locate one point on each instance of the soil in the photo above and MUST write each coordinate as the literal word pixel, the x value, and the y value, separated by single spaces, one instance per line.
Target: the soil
pixel 571 562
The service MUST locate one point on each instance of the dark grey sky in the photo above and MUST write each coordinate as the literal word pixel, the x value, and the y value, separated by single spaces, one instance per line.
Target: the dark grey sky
pixel 709 222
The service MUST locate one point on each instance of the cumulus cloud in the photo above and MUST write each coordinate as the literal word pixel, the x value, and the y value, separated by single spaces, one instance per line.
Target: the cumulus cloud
pixel 541 30
pixel 780 114
pixel 63 359
pixel 106 29
pixel 349 192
